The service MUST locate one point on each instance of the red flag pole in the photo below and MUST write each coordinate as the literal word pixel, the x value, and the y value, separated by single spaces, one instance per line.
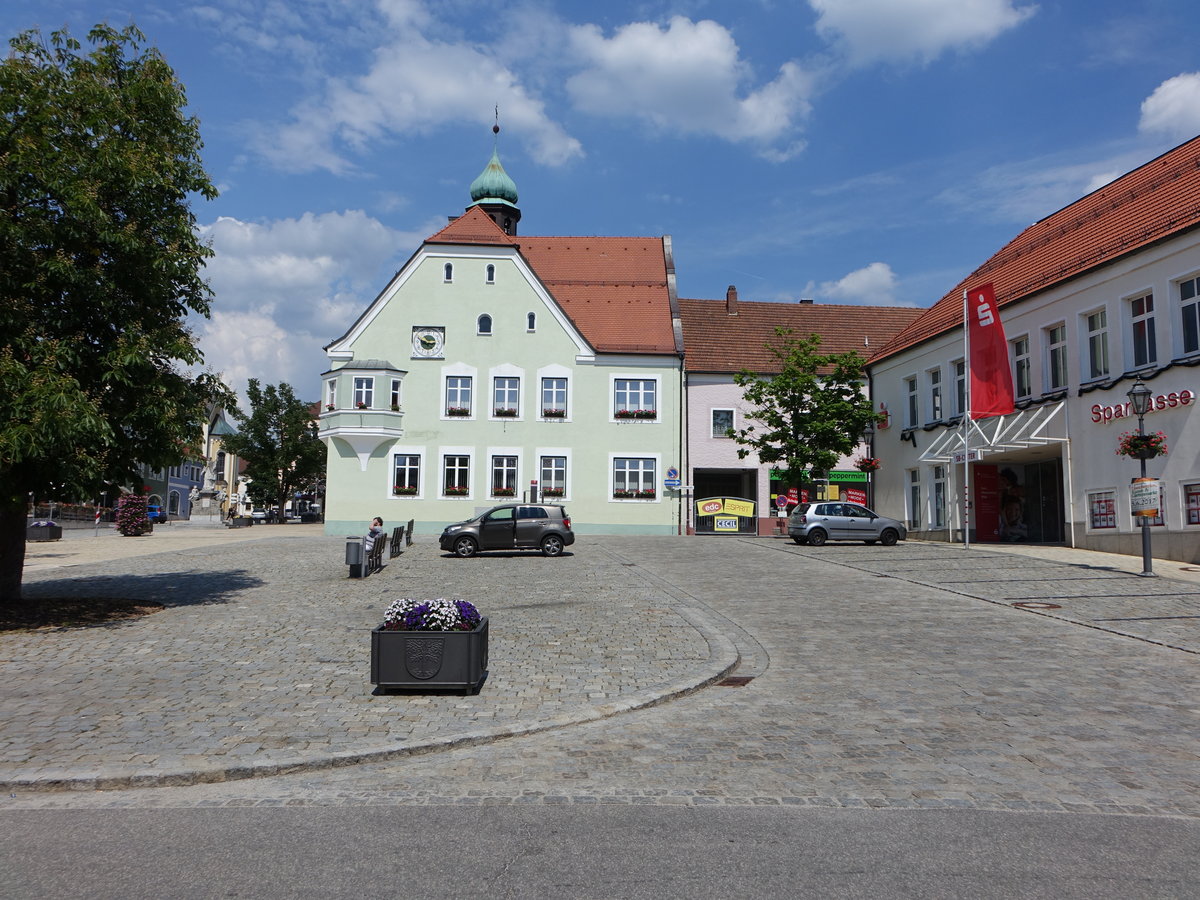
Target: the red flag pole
pixel 966 501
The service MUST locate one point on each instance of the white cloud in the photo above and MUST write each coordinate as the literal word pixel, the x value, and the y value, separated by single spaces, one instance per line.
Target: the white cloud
pixel 284 289
pixel 686 78
pixel 1174 107
pixel 907 30
pixel 413 84
pixel 874 285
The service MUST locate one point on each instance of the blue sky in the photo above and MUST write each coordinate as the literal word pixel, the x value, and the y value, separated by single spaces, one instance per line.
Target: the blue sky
pixel 851 151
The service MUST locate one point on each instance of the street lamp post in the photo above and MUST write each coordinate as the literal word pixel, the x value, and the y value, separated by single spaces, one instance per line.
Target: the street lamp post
pixel 1139 398
pixel 869 440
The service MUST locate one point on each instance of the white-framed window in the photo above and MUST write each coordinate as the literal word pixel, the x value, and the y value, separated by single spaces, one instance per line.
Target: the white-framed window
pixel 331 394
pixel 406 474
pixel 935 394
pixel 483 325
pixel 635 398
pixel 1189 309
pixel 456 475
pixel 939 497
pixel 1056 357
pixel 633 478
pixel 914 403
pixel 722 422
pixel 553 473
pixel 489 274
pixel 1141 330
pixel 531 321
pixel 960 387
pixel 1191 503
pixel 458 395
pixel 1022 385
pixel 504 476
pixel 914 498
pixel 364 391
pixel 1102 509
pixel 448 272
pixel 395 398
pixel 1095 324
pixel 554 398
pixel 506 397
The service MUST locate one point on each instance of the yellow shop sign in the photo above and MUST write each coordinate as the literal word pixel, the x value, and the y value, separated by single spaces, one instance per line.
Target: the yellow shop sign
pixel 725 506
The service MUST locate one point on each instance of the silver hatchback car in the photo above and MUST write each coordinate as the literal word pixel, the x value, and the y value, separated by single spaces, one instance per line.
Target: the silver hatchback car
pixel 816 523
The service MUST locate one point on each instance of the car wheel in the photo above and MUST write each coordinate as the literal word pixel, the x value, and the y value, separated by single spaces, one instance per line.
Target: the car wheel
pixel 798 539
pixel 552 545
pixel 817 537
pixel 889 537
pixel 869 543
pixel 465 547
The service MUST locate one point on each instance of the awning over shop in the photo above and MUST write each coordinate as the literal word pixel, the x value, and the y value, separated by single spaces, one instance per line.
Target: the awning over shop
pixel 1032 427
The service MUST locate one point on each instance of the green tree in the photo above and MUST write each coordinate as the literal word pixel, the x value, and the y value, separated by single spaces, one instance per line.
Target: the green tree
pixel 99 267
pixel 278 442
pixel 807 415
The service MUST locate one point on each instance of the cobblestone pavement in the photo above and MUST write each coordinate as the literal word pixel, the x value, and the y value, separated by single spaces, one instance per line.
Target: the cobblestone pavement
pixel 877 677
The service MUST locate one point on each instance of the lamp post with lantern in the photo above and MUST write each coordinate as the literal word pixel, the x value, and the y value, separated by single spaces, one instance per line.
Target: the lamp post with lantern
pixel 1139 398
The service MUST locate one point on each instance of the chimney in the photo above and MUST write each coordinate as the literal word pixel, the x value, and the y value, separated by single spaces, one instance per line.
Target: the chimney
pixel 731 301
pixel 805 300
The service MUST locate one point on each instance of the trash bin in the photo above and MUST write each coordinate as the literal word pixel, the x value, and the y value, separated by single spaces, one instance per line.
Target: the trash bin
pixel 356 556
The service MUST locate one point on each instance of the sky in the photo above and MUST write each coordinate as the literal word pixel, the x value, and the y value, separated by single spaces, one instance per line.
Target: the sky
pixel 846 151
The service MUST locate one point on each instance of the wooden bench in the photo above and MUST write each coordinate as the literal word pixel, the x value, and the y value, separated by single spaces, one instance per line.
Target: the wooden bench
pixel 374 561
pixel 408 534
pixel 397 542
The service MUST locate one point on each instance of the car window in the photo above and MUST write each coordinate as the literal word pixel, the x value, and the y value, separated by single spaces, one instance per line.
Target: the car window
pixel 831 509
pixel 857 512
pixel 531 512
pixel 501 515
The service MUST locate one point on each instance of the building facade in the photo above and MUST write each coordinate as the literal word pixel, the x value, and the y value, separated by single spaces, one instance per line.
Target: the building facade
pixel 1092 298
pixel 494 368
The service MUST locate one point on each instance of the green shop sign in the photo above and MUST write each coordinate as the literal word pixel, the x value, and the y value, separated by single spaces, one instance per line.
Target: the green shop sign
pixel 835 475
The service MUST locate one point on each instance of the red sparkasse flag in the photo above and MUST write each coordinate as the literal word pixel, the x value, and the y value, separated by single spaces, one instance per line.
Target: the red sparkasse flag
pixel 991 377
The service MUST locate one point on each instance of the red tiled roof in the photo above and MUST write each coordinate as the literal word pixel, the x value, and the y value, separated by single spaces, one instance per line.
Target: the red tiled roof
pixel 715 341
pixel 614 289
pixel 1155 201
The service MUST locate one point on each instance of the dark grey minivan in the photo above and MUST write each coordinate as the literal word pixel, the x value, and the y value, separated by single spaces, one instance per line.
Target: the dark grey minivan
pixel 512 526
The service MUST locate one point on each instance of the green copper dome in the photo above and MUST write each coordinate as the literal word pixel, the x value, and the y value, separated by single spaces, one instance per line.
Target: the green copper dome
pixel 494 184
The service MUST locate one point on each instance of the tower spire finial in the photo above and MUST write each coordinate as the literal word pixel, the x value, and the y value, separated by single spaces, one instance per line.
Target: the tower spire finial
pixel 496 127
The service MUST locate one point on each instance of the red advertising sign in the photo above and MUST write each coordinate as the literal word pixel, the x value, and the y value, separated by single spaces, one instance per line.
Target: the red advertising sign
pixel 794 495
pixel 986 481
pixel 856 495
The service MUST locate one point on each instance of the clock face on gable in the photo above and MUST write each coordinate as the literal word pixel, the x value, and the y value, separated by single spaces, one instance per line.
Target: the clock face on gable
pixel 428 341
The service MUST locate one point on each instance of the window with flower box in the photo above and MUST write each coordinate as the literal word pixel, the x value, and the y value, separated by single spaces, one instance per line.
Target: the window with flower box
pixel 1102 509
pixel 554 398
pixel 458 395
pixel 331 394
pixel 364 392
pixel 504 476
pixel 406 474
pixel 554 476
pixel 506 397
pixel 633 478
pixel 1191 500
pixel 456 475
pixel 635 399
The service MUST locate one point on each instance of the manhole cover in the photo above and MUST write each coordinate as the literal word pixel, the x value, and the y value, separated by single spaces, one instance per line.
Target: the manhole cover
pixel 735 681
pixel 1035 604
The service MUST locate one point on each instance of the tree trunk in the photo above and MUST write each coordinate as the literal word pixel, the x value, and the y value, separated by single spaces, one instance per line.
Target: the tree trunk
pixel 12 548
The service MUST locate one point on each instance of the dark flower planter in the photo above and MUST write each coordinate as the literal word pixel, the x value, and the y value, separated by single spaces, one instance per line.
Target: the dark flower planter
pixel 43 533
pixel 429 660
pixel 1148 453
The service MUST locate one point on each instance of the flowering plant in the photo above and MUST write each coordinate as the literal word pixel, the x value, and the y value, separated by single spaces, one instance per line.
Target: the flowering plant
pixel 457 411
pixel 867 464
pixel 1142 445
pixel 404 489
pixel 329 406
pixel 361 405
pixel 636 414
pixel 644 495
pixel 554 413
pixel 622 494
pixel 132 519
pixel 552 492
pixel 453 491
pixel 45 523
pixel 503 492
pixel 407 614
pixel 504 412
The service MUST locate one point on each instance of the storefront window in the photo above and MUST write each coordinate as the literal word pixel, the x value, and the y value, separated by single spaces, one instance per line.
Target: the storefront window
pixel 1191 496
pixel 1102 509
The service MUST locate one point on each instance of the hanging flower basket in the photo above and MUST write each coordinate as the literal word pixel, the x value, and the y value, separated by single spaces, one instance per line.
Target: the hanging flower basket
pixel 867 464
pixel 1142 446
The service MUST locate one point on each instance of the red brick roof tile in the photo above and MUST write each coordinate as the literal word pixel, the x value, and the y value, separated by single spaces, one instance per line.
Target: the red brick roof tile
pixel 472 227
pixel 1156 201
pixel 717 342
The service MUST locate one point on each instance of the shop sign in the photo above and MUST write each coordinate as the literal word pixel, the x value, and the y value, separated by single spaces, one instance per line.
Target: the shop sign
pixel 847 475
pixel 725 506
pixel 1106 414
pixel 856 495
pixel 1144 494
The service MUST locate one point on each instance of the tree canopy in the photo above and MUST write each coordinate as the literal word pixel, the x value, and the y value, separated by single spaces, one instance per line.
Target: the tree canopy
pixel 100 264
pixel 810 413
pixel 278 442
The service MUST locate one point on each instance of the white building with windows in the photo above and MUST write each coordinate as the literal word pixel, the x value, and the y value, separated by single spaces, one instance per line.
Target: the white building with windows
pixel 495 368
pixel 1092 298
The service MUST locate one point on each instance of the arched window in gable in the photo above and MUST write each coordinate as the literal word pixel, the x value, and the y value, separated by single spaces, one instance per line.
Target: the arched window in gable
pixel 448 271
pixel 491 274
pixel 484 324
pixel 531 322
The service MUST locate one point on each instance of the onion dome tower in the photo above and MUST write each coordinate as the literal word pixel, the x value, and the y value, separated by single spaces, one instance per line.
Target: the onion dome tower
pixel 495 193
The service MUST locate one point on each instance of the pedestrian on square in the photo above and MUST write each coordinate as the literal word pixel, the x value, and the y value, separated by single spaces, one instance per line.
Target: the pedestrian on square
pixel 373 534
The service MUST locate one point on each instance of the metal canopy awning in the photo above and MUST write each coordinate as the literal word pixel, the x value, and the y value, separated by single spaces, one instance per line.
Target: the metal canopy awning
pixel 1032 427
